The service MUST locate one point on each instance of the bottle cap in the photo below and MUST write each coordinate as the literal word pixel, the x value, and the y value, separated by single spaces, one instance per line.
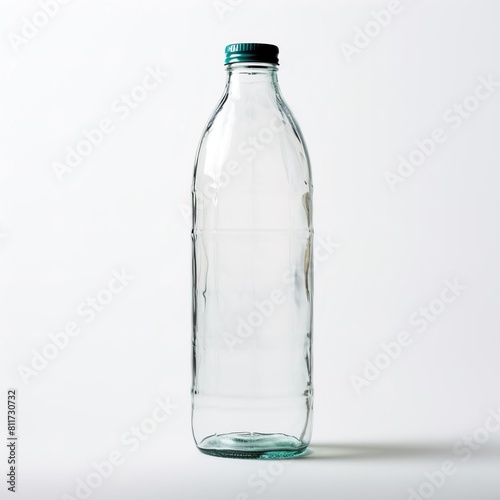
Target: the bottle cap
pixel 251 52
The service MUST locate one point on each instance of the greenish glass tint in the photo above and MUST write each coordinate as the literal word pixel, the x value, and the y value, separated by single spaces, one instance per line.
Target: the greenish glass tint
pixel 252 445
pixel 251 52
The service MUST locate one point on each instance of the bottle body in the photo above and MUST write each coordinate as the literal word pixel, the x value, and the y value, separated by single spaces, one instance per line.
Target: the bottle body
pixel 252 275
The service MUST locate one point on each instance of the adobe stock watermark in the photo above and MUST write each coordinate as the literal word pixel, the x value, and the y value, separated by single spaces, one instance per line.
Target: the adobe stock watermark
pixel 255 319
pixel 32 25
pixel 131 440
pixel 467 446
pixel 453 118
pixel 248 150
pixel 364 36
pixel 420 321
pixel 223 7
pixel 88 309
pixel 263 310
pixel 255 143
pixel 210 192
pixel 121 109
pixel 260 480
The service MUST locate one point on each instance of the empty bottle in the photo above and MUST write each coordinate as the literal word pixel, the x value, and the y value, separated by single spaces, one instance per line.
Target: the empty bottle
pixel 252 393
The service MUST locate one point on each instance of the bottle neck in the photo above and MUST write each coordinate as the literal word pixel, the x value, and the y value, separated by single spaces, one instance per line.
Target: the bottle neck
pixel 245 79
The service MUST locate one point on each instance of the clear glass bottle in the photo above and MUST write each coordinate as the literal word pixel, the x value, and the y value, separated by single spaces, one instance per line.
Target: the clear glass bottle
pixel 252 234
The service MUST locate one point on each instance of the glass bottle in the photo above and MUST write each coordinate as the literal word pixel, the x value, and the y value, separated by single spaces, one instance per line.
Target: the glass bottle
pixel 252 393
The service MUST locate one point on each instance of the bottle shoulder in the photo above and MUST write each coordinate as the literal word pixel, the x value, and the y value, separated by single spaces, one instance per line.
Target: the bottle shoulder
pixel 258 132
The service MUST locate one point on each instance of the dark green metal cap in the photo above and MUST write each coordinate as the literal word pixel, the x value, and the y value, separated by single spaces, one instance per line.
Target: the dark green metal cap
pixel 251 52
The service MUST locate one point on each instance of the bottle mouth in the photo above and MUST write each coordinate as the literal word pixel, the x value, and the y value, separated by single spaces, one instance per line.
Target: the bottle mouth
pixel 251 52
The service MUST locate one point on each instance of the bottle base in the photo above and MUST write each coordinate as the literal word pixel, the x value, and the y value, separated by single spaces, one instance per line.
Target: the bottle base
pixel 252 445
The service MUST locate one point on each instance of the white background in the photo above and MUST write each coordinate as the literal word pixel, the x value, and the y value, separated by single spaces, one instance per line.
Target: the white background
pixel 125 207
